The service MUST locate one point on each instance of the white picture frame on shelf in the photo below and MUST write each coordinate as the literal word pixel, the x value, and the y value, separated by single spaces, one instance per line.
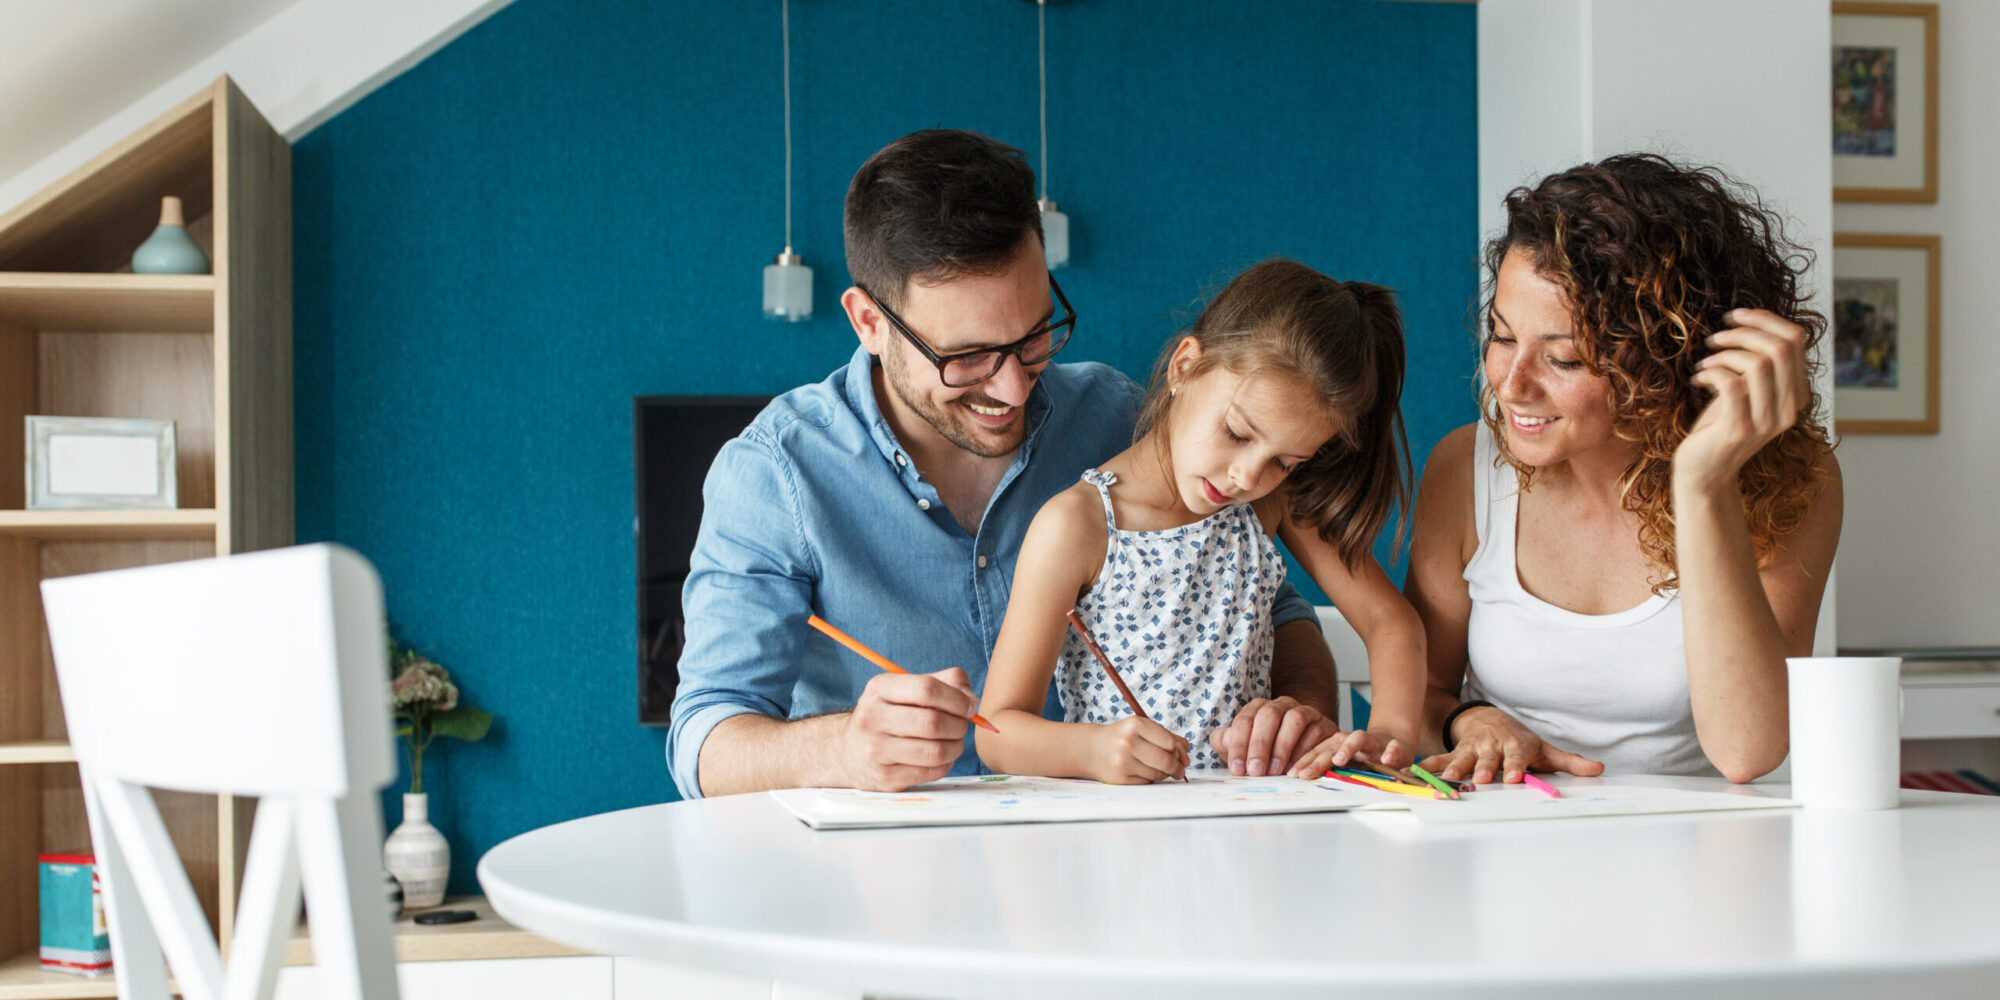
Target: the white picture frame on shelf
pixel 101 463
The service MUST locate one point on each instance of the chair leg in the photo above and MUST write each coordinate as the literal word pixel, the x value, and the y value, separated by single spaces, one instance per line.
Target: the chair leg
pixel 136 955
pixel 340 848
pixel 268 908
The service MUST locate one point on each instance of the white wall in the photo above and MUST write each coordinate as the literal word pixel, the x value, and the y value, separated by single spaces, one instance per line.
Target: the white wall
pixel 1738 85
pixel 299 68
pixel 1918 556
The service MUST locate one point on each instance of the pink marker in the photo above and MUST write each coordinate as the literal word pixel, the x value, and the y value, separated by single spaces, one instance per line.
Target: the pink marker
pixel 1541 786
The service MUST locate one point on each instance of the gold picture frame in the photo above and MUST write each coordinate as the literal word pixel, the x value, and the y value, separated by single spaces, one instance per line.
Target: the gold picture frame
pixel 1884 333
pixel 1884 94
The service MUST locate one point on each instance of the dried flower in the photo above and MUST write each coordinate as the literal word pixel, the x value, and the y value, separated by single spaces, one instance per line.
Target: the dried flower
pixel 425 702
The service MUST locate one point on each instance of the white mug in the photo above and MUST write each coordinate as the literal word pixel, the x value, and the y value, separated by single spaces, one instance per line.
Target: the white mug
pixel 1846 719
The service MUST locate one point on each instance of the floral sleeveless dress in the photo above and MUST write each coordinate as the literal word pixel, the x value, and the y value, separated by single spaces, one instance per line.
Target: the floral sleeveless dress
pixel 1185 616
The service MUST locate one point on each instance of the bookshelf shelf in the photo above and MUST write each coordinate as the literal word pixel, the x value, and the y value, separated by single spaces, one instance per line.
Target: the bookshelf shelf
pixel 107 303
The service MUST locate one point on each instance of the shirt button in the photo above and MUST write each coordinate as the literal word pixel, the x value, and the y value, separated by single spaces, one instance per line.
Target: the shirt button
pixel 923 505
pixel 982 562
pixel 900 460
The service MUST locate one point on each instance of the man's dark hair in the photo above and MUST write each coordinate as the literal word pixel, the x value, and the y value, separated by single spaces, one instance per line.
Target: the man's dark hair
pixel 935 205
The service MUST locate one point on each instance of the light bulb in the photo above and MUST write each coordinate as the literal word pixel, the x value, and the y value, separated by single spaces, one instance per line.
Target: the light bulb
pixel 1055 235
pixel 788 288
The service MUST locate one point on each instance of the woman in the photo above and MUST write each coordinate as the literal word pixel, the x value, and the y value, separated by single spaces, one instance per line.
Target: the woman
pixel 1613 564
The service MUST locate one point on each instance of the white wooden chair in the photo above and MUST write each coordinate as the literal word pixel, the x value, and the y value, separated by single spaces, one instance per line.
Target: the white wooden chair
pixel 1350 661
pixel 261 675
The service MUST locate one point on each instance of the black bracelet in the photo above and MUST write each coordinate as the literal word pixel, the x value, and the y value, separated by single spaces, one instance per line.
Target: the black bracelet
pixel 1463 706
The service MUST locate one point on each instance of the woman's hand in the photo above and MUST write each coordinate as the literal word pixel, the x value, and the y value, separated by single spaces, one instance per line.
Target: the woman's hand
pixel 1489 742
pixel 1136 751
pixel 1340 748
pixel 1758 377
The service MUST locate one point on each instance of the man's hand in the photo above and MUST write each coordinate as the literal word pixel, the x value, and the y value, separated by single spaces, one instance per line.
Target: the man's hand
pixel 907 729
pixel 1267 733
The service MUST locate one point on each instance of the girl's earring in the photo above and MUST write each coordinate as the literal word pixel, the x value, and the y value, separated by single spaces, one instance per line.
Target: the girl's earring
pixel 1171 392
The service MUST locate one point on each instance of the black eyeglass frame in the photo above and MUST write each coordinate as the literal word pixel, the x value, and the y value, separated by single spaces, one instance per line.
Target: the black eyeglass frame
pixel 1066 325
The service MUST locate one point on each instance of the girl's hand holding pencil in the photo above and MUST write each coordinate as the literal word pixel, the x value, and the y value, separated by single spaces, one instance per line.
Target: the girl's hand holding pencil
pixel 1136 751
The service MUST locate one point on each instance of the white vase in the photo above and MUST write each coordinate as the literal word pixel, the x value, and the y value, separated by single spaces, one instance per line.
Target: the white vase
pixel 418 855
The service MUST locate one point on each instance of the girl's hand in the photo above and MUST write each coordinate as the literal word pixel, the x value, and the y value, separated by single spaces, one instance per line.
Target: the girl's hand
pixel 1491 742
pixel 1136 751
pixel 1758 377
pixel 1341 748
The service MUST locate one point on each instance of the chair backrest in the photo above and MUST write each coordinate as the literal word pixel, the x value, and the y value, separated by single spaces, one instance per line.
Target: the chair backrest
pixel 263 675
pixel 1350 661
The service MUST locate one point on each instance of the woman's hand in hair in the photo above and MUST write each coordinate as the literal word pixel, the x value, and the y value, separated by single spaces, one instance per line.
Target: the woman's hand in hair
pixel 1757 377
pixel 1489 744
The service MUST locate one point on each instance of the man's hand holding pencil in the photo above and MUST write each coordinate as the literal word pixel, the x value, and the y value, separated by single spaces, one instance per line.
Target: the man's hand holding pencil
pixel 907 729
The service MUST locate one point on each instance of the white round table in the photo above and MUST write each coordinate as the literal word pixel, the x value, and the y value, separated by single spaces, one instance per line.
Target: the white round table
pixel 1705 904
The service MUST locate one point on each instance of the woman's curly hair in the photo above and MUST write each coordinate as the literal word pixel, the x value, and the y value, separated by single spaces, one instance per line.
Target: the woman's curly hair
pixel 1651 256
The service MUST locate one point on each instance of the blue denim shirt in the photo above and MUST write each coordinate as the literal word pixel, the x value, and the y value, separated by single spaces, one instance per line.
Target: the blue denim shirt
pixel 816 509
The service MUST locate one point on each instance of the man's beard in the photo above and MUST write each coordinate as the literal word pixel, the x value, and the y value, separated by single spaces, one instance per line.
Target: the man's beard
pixel 955 427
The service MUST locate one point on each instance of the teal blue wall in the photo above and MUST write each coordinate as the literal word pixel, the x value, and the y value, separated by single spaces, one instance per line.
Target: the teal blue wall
pixel 571 205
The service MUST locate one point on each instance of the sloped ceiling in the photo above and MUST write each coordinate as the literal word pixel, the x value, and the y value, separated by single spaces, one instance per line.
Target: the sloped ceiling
pixel 69 64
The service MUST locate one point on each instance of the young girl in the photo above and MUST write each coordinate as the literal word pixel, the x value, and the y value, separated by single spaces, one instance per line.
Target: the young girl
pixel 1276 414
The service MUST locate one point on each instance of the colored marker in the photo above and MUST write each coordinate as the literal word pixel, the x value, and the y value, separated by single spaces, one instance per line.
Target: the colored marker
pixel 878 659
pixel 1364 766
pixel 1424 793
pixel 1433 781
pixel 1539 785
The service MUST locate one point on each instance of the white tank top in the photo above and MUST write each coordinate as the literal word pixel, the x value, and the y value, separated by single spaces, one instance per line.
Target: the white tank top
pixel 1610 687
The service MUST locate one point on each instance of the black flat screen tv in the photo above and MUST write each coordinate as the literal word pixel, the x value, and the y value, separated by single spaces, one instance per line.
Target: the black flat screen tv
pixel 674 440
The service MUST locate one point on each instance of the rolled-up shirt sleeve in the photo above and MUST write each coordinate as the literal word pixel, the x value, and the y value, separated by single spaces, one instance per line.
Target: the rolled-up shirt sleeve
pixel 748 592
pixel 1290 606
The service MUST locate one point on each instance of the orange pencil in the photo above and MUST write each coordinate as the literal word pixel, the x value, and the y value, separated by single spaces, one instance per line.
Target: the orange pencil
pixel 878 659
pixel 1097 651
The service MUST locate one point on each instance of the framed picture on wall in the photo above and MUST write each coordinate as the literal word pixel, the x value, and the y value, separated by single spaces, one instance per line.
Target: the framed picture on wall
pixel 1885 101
pixel 1885 333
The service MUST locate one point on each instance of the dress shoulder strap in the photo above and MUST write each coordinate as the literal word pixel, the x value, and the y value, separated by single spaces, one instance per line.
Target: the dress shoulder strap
pixel 1103 481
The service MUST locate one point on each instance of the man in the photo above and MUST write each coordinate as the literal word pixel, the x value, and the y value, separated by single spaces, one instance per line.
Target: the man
pixel 891 500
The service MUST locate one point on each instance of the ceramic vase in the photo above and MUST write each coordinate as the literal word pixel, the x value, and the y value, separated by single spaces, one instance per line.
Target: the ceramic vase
pixel 170 250
pixel 418 855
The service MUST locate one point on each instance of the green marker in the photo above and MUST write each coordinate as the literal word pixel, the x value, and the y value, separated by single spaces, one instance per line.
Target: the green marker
pixel 1449 791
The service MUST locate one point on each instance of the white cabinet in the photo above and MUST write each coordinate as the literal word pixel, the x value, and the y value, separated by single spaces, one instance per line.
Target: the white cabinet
pixel 1951 706
pixel 575 977
pixel 578 977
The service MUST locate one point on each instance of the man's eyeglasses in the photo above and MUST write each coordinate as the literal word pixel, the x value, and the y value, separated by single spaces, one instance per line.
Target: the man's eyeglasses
pixel 969 368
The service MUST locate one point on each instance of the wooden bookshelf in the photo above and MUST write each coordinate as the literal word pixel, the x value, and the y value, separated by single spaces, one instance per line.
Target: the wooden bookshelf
pixel 81 336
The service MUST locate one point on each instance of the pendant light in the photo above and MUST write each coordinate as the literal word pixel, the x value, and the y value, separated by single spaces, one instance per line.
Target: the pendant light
pixel 788 282
pixel 1055 225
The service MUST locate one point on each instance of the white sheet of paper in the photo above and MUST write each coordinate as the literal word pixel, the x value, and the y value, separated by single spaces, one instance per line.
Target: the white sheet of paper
pixel 992 799
pixel 1499 802
pixel 1000 798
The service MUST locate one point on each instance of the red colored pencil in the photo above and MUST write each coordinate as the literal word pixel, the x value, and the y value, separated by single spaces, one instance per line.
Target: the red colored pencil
pixel 1090 641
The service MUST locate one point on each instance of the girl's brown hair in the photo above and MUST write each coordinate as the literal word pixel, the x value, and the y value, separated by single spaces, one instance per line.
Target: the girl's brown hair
pixel 1343 338
pixel 1651 256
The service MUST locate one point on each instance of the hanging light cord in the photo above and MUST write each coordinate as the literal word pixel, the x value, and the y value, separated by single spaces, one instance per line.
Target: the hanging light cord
pixel 1042 53
pixel 786 8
